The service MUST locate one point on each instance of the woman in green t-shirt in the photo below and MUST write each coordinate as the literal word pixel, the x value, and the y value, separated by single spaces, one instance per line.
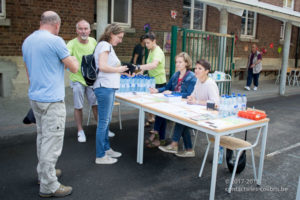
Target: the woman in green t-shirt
pixel 156 68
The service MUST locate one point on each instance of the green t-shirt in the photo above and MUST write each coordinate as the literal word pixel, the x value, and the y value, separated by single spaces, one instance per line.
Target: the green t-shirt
pixel 78 50
pixel 159 73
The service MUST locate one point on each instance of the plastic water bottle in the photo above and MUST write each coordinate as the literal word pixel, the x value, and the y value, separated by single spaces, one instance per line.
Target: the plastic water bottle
pixel 244 102
pixel 226 107
pixel 147 84
pixel 239 101
pixel 221 106
pixel 235 105
pixel 152 82
pixel 229 106
pixel 121 84
pixel 221 152
pixel 127 84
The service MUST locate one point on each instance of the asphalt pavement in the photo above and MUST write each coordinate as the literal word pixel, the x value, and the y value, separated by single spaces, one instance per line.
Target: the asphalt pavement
pixel 163 175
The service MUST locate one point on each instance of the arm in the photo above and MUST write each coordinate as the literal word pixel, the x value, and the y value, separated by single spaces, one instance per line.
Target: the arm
pixel 104 67
pixel 135 58
pixel 149 66
pixel 71 63
pixel 27 73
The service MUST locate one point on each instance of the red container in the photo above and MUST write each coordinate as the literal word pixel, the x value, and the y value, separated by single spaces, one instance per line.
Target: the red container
pixel 252 114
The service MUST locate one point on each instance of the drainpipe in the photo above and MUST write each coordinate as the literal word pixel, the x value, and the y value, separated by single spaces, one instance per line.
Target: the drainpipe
pixel 285 59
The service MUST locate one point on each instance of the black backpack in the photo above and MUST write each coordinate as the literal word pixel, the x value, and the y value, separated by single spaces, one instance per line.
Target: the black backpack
pixel 89 69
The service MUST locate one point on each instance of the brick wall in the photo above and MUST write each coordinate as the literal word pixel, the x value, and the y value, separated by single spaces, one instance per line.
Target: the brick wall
pixel 153 12
pixel 25 17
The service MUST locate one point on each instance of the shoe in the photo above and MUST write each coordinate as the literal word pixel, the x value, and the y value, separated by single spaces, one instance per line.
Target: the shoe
pixel 112 153
pixel 60 192
pixel 169 149
pixel 186 154
pixel 247 88
pixel 255 88
pixel 81 136
pixel 58 173
pixel 111 134
pixel 106 160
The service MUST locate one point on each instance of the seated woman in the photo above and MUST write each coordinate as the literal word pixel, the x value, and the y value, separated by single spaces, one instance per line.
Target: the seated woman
pixel 205 89
pixel 182 82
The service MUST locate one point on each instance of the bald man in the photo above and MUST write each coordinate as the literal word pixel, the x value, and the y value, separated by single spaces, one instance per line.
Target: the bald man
pixel 46 56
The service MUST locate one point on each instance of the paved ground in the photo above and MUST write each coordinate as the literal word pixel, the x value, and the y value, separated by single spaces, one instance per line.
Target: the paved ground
pixel 162 176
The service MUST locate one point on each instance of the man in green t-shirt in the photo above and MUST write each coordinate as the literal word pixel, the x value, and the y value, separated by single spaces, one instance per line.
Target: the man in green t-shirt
pixel 79 46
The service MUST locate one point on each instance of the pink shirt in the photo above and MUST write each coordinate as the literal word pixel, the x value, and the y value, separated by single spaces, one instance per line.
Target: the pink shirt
pixel 206 91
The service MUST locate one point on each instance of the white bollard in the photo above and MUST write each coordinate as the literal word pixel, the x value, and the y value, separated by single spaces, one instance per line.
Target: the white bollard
pixel 298 191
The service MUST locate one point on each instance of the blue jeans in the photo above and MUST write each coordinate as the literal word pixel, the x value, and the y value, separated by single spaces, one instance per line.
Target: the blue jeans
pixel 184 131
pixel 105 98
pixel 252 76
pixel 160 126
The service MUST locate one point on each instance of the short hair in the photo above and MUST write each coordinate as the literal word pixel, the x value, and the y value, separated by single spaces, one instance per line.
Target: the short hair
pixel 187 59
pixel 50 17
pixel 114 29
pixel 205 64
pixel 150 35
pixel 83 20
pixel 142 38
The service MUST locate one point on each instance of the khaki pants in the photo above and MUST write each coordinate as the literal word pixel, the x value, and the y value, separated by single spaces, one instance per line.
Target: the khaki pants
pixel 50 122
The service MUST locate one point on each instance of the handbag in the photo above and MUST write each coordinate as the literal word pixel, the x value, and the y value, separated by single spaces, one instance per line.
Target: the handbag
pixel 230 159
pixel 29 118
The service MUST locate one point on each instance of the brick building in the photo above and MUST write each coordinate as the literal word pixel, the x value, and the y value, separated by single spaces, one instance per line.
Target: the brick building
pixel 21 17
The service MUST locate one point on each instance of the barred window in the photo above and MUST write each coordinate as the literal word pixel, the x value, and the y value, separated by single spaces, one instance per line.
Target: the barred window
pixel 194 14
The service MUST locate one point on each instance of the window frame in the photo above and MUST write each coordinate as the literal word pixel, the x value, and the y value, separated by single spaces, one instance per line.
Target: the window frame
pixel 3 13
pixel 129 14
pixel 246 26
pixel 285 4
pixel 192 7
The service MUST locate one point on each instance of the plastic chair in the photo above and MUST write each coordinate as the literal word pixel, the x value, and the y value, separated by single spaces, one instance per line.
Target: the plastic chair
pixel 235 144
pixel 119 109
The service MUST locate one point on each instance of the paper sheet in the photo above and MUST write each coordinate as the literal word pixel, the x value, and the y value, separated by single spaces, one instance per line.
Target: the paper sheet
pixel 223 123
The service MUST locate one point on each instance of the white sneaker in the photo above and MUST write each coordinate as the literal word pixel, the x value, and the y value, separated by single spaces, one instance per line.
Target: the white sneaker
pixel 81 136
pixel 255 88
pixel 247 88
pixel 112 153
pixel 106 160
pixel 111 134
pixel 186 154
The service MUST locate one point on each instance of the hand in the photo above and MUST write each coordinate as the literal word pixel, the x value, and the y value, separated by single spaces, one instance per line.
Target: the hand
pixel 252 65
pixel 122 69
pixel 167 92
pixel 153 90
pixel 191 100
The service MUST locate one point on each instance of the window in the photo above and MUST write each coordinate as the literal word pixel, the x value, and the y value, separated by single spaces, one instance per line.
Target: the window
pixel 248 24
pixel 282 29
pixel 119 12
pixel 194 13
pixel 2 9
pixel 288 4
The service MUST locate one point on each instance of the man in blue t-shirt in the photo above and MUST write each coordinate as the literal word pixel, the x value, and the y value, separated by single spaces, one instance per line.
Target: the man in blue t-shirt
pixel 46 56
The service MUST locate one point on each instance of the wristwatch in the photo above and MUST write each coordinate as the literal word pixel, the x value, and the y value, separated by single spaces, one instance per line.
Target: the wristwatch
pixel 138 67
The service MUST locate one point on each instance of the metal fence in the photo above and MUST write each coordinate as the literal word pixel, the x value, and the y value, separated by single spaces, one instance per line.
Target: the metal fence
pixel 216 48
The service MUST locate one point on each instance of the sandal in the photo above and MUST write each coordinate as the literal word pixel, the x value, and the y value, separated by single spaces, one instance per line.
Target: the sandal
pixel 149 140
pixel 155 143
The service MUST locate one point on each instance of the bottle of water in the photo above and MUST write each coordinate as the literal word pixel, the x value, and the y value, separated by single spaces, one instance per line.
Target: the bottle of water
pixel 152 82
pixel 221 106
pixel 226 107
pixel 239 101
pixel 127 84
pixel 221 152
pixel 147 84
pixel 229 106
pixel 121 84
pixel 244 102
pixel 235 105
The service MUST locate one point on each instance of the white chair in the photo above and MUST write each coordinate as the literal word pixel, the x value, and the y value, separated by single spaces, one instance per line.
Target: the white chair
pixel 294 76
pixel 235 144
pixel 119 109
